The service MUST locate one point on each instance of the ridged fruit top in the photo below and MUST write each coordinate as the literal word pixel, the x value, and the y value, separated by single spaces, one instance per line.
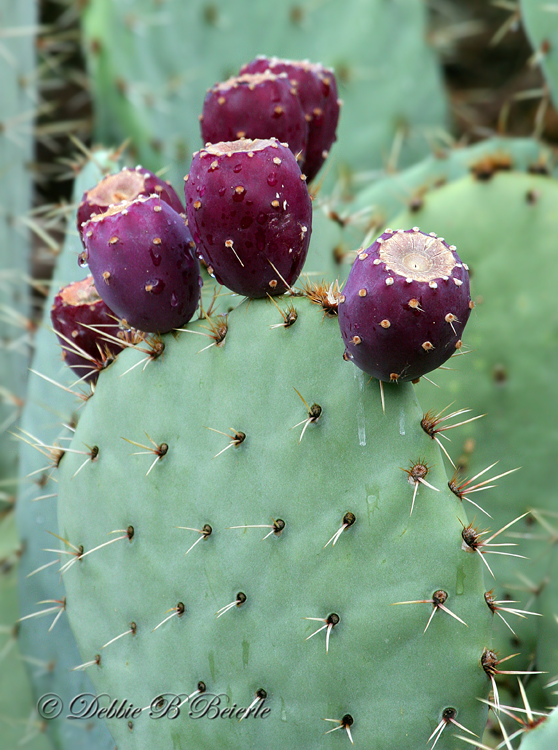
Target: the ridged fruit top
pixel 317 89
pixel 142 258
pixel 405 305
pixel 250 214
pixel 260 105
pixel 126 185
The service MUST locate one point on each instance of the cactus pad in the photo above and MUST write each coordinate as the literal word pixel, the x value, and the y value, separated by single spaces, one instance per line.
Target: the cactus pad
pixel 260 536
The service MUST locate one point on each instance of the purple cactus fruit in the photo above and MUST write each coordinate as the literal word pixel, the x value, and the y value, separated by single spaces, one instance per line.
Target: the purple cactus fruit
pixel 86 328
pixel 126 185
pixel 142 258
pixel 263 105
pixel 317 89
pixel 250 214
pixel 405 305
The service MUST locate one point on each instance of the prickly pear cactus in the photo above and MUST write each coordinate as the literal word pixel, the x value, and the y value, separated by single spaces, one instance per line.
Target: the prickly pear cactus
pixel 508 374
pixel 148 85
pixel 51 652
pixel 541 25
pixel 376 205
pixel 20 723
pixel 240 533
pixel 547 652
pixel 17 59
pixel 544 735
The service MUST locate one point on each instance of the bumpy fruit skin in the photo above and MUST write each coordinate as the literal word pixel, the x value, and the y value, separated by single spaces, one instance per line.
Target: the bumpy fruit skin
pixel 76 310
pixel 317 89
pixel 126 185
pixel 142 258
pixel 262 105
pixel 405 305
pixel 250 215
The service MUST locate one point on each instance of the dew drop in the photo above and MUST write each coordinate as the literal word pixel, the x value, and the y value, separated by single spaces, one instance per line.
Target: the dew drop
pixel 272 179
pixel 237 168
pixel 222 191
pixel 460 580
pixel 82 260
pixel 156 286
pixel 402 422
pixel 173 300
pixel 155 258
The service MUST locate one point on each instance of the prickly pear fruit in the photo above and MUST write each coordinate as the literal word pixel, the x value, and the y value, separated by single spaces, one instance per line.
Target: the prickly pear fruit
pixel 250 214
pixel 405 305
pixel 317 89
pixel 262 105
pixel 126 185
pixel 81 320
pixel 142 258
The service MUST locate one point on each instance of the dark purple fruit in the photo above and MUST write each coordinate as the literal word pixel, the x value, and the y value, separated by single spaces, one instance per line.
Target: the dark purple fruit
pixel 317 89
pixel 263 105
pixel 250 215
pixel 86 328
pixel 141 255
pixel 405 305
pixel 126 185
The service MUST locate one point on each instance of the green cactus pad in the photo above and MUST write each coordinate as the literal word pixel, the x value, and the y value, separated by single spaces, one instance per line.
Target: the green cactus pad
pixel 19 96
pixel 47 406
pixel 229 442
pixel 541 25
pixel 505 229
pixel 544 736
pixel 20 724
pixel 376 205
pixel 547 651
pixel 151 64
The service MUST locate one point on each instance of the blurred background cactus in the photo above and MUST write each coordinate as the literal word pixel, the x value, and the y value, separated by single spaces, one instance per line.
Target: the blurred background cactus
pixel 448 122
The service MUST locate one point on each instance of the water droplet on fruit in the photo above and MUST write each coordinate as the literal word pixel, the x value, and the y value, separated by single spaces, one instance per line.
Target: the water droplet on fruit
pixel 155 258
pixel 272 179
pixel 156 286
pixel 222 191
pixel 237 168
pixel 82 260
pixel 173 300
